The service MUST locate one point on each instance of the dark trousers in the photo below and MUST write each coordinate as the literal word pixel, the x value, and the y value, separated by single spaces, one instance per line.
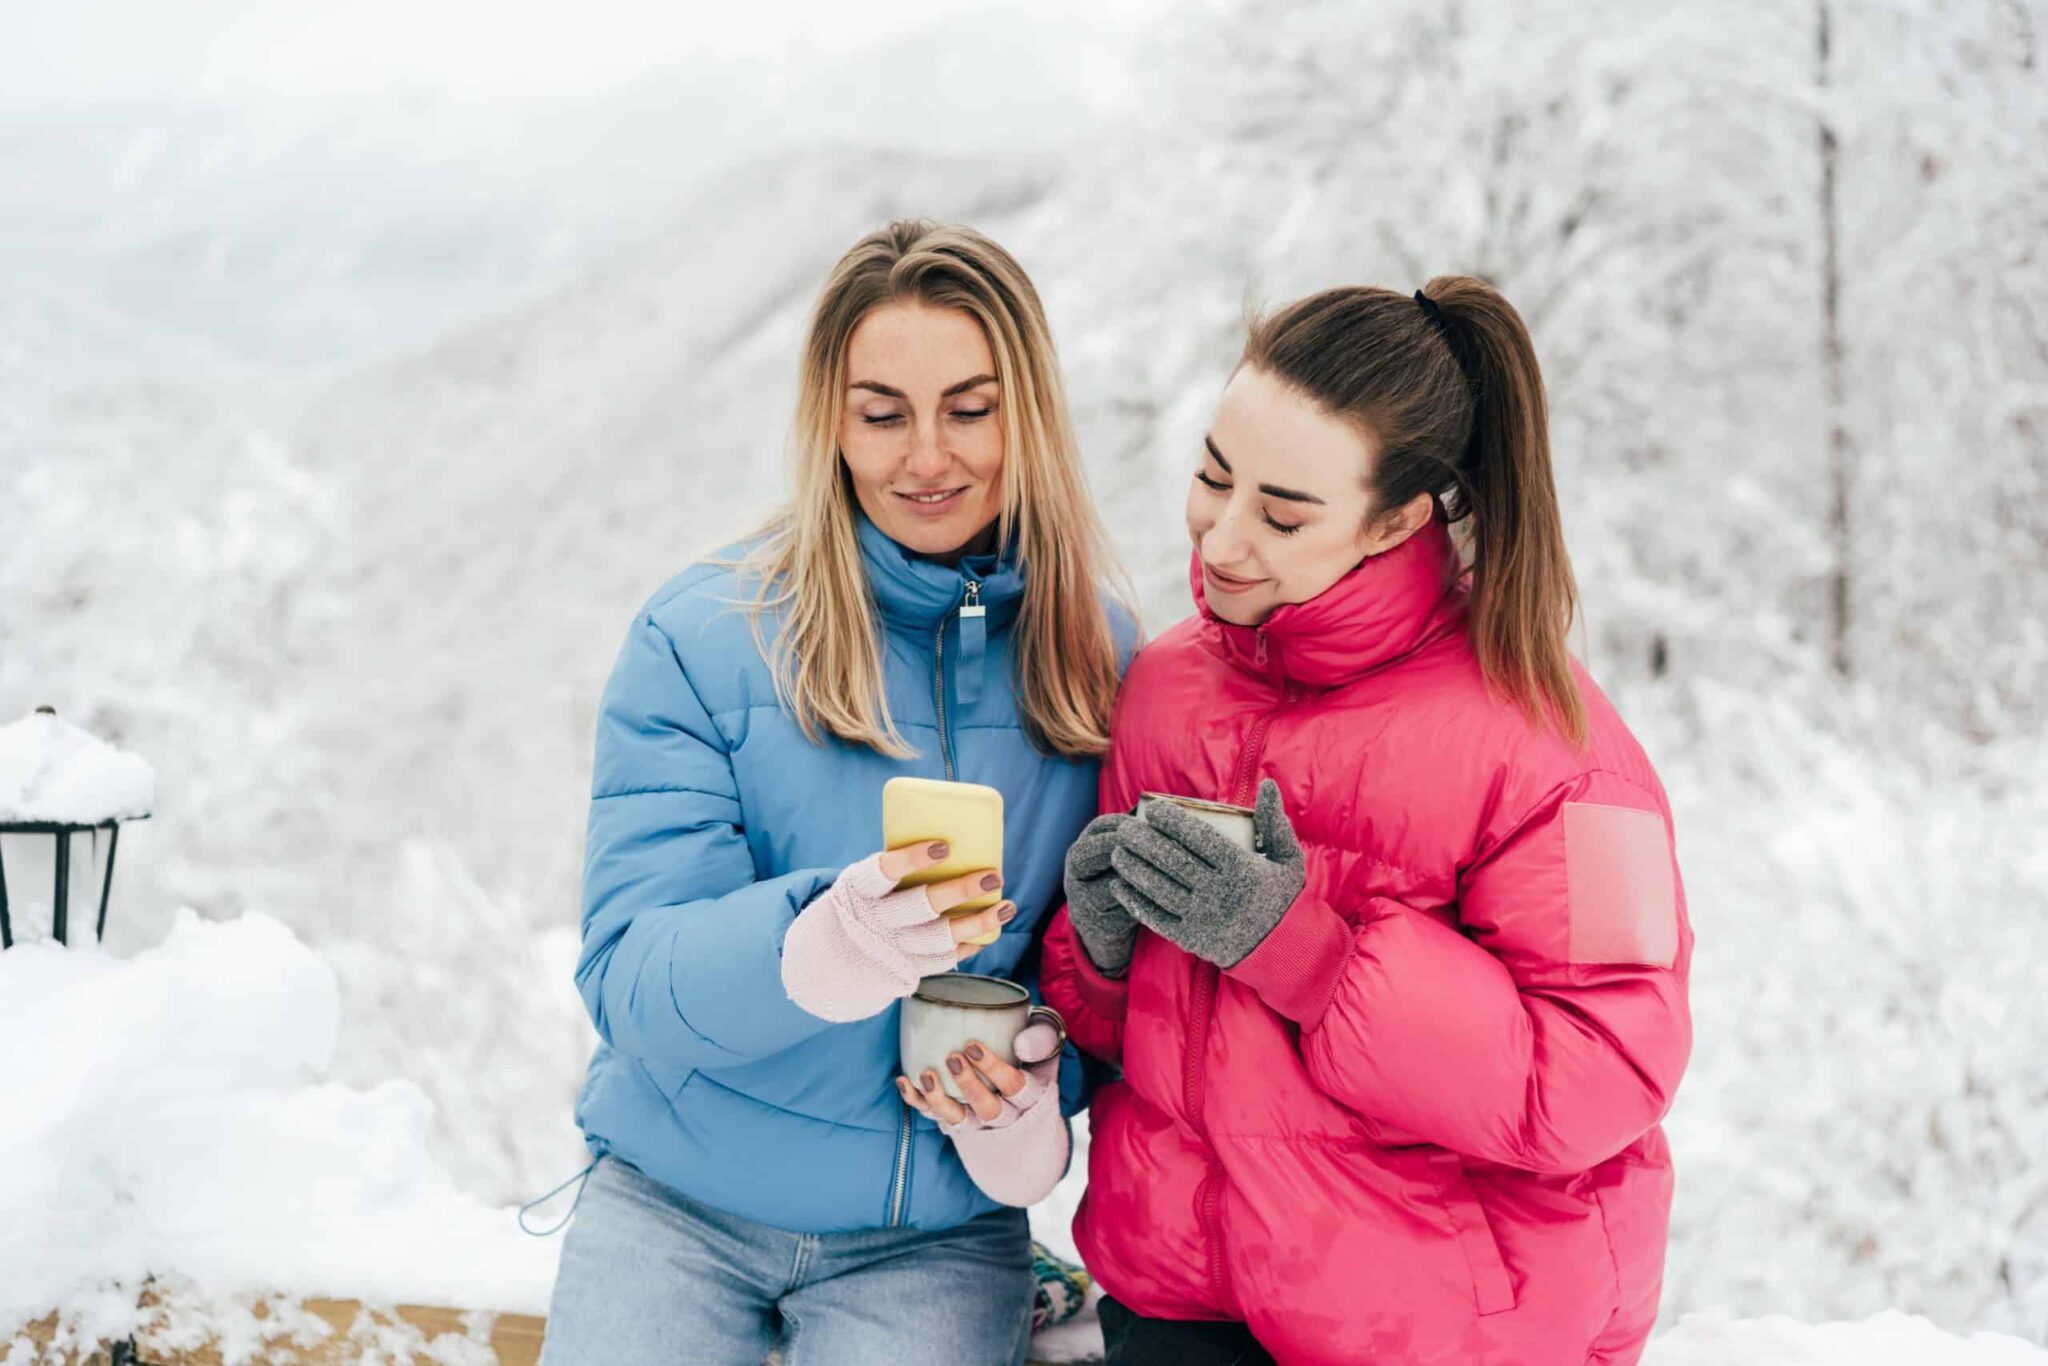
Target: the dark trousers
pixel 1133 1340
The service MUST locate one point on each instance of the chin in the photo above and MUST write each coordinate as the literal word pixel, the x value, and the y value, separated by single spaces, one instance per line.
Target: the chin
pixel 1235 610
pixel 925 539
pixel 934 538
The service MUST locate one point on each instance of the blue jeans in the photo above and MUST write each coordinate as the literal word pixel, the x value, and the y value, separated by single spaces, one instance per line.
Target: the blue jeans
pixel 650 1276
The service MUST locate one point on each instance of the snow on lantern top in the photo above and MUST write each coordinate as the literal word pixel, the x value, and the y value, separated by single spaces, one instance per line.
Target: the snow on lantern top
pixel 52 771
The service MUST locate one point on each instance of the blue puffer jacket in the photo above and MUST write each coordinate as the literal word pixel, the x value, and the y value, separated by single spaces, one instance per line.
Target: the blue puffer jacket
pixel 713 821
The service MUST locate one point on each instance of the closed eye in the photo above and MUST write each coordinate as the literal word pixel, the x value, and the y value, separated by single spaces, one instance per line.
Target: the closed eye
pixel 1284 528
pixel 887 420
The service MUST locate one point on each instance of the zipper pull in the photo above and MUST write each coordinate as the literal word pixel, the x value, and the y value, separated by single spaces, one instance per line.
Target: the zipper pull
pixel 973 641
pixel 1259 647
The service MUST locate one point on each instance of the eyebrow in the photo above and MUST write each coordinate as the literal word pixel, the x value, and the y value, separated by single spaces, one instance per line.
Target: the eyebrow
pixel 962 387
pixel 1270 490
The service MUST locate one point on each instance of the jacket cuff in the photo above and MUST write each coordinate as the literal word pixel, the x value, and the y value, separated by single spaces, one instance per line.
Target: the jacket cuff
pixel 1107 996
pixel 1020 1163
pixel 1296 966
pixel 837 968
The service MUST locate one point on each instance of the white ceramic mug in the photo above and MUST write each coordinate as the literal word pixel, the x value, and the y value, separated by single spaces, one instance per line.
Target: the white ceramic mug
pixel 952 1009
pixel 1234 823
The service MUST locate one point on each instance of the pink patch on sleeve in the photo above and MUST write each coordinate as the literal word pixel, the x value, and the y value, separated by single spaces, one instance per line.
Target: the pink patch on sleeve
pixel 1623 893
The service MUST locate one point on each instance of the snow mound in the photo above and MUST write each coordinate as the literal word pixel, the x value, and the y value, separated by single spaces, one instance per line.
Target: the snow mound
pixel 50 770
pixel 165 1118
pixel 1888 1339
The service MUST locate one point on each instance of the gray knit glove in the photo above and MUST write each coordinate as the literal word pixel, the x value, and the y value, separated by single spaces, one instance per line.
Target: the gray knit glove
pixel 1104 926
pixel 1185 882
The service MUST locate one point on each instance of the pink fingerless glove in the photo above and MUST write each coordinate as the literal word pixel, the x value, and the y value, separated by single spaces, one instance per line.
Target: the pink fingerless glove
pixel 1019 1156
pixel 862 945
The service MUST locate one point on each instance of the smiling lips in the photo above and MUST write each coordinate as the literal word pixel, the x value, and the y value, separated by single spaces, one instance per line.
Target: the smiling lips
pixel 932 502
pixel 1224 583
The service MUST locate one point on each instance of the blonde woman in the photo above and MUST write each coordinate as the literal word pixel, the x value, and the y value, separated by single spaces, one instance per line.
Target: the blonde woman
pixel 931 602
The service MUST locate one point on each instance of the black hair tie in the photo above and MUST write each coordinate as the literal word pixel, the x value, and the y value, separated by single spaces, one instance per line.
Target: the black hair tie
pixel 1457 340
pixel 1432 312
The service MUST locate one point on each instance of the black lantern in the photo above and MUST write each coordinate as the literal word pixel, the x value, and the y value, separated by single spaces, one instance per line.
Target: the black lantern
pixel 62 831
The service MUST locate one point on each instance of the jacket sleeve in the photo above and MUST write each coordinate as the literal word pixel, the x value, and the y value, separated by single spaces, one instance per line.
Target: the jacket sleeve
pixel 1092 1004
pixel 1079 1073
pixel 682 945
pixel 1550 1033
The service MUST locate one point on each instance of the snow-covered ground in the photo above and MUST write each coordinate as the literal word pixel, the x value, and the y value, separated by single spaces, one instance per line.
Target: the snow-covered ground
pixel 172 1112
pixel 335 518
pixel 1885 1339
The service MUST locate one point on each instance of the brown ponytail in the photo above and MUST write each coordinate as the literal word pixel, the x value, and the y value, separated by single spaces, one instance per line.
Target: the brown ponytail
pixel 1446 383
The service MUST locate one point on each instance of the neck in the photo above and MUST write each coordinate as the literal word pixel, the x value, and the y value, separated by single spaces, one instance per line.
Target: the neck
pixel 983 542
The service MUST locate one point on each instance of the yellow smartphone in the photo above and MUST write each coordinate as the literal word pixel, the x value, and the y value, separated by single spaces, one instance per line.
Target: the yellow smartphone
pixel 968 816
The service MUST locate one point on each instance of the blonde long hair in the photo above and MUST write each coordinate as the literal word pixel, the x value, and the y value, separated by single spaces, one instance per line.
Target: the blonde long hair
pixel 827 658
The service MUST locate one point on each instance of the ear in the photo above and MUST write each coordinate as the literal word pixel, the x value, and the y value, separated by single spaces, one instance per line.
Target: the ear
pixel 1396 525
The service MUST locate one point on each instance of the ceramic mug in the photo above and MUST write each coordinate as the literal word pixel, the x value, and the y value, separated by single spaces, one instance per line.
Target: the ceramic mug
pixel 1234 823
pixel 951 1009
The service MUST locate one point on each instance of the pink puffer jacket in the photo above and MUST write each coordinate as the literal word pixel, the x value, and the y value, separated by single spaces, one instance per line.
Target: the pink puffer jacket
pixel 1419 1123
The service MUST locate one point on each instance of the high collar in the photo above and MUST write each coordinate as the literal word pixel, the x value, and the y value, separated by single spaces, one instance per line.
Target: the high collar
pixel 917 593
pixel 1382 610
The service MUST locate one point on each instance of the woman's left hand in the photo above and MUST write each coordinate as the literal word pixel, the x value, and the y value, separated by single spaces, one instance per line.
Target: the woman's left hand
pixel 997 1093
pixel 1185 882
pixel 1009 1135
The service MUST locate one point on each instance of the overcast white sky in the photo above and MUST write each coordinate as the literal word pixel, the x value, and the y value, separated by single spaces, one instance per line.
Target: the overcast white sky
pixel 164 163
pixel 237 49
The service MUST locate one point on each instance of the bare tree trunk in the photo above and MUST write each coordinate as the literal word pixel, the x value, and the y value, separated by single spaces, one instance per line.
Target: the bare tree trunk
pixel 1832 365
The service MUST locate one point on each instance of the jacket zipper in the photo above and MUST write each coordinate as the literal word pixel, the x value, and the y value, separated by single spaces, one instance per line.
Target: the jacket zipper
pixel 1207 975
pixel 971 606
pixel 899 1185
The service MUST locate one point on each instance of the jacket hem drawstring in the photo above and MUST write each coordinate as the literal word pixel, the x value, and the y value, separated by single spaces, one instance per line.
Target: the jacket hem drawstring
pixel 580 1180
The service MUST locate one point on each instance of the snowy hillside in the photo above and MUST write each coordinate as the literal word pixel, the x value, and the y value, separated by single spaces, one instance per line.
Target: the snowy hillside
pixel 353 589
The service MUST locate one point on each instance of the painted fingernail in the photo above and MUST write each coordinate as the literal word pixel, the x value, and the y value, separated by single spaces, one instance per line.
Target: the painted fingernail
pixel 955 1066
pixel 991 881
pixel 1006 912
pixel 974 1051
pixel 931 1080
pixel 938 848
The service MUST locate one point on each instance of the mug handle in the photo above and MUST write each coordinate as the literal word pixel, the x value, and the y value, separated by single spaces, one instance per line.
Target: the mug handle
pixel 1051 1017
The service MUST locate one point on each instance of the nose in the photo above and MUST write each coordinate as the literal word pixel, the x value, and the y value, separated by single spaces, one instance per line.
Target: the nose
pixel 926 458
pixel 1224 542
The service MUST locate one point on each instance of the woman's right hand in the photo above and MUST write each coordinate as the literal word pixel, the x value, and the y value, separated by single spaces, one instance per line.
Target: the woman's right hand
pixel 867 942
pixel 898 864
pixel 1106 929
